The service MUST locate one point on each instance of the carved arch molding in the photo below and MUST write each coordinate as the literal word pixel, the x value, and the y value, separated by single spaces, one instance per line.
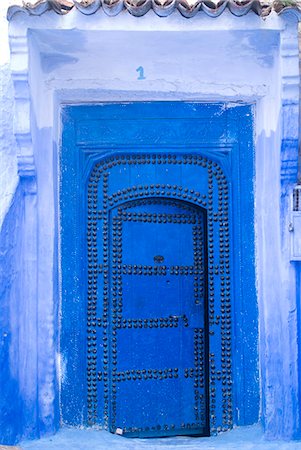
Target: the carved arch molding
pixel 112 184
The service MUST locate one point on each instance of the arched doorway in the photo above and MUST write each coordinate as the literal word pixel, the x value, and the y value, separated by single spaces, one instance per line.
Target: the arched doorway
pixel 157 319
pixel 149 246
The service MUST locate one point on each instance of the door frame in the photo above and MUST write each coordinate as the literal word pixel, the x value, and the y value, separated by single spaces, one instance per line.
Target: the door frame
pixel 236 156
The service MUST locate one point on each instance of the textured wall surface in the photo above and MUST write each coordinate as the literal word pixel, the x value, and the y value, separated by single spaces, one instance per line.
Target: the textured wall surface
pixel 11 217
pixel 8 173
pixel 11 407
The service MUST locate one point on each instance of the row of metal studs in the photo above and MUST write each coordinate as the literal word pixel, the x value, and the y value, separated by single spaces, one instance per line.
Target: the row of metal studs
pixel 133 192
pixel 169 158
pixel 224 308
pixel 199 263
pixel 139 269
pixel 211 293
pixel 145 374
pixel 116 310
pixel 161 322
pixel 226 328
pixel 105 340
pixel 92 269
pixel 199 374
pixel 158 218
pixel 216 374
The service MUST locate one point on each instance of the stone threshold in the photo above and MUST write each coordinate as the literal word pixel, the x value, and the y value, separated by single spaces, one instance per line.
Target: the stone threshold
pixel 241 438
pixel 9 447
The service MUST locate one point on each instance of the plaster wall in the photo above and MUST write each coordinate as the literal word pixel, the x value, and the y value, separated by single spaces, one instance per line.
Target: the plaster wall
pixel 76 59
pixel 11 404
pixel 8 174
pixel 11 222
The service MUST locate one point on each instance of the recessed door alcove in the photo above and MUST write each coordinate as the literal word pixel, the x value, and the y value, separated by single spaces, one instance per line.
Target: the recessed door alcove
pixel 158 331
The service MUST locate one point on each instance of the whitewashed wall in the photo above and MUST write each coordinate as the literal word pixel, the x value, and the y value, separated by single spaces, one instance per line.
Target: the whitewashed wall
pixel 8 171
pixel 11 260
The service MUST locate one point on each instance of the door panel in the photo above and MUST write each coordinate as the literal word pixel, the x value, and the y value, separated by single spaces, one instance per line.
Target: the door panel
pixel 157 320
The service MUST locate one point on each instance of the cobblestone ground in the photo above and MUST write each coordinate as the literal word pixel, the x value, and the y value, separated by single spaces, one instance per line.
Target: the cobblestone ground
pixel 249 438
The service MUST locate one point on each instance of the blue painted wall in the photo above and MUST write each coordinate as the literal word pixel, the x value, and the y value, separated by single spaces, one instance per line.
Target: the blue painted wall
pixel 11 405
pixel 21 402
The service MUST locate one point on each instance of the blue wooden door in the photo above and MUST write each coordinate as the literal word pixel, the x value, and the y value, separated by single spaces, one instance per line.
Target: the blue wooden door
pixel 159 313
pixel 157 319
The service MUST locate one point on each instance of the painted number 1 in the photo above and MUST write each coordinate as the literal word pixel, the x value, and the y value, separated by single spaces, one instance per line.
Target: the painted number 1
pixel 140 70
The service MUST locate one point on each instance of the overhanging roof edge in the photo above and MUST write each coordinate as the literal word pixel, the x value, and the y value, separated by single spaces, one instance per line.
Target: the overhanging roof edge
pixel 162 8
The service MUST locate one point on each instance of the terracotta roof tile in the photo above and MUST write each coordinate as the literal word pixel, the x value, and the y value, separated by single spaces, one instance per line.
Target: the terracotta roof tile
pixel 187 8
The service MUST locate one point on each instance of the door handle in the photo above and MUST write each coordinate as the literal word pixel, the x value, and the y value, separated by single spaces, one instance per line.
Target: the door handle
pixel 182 316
